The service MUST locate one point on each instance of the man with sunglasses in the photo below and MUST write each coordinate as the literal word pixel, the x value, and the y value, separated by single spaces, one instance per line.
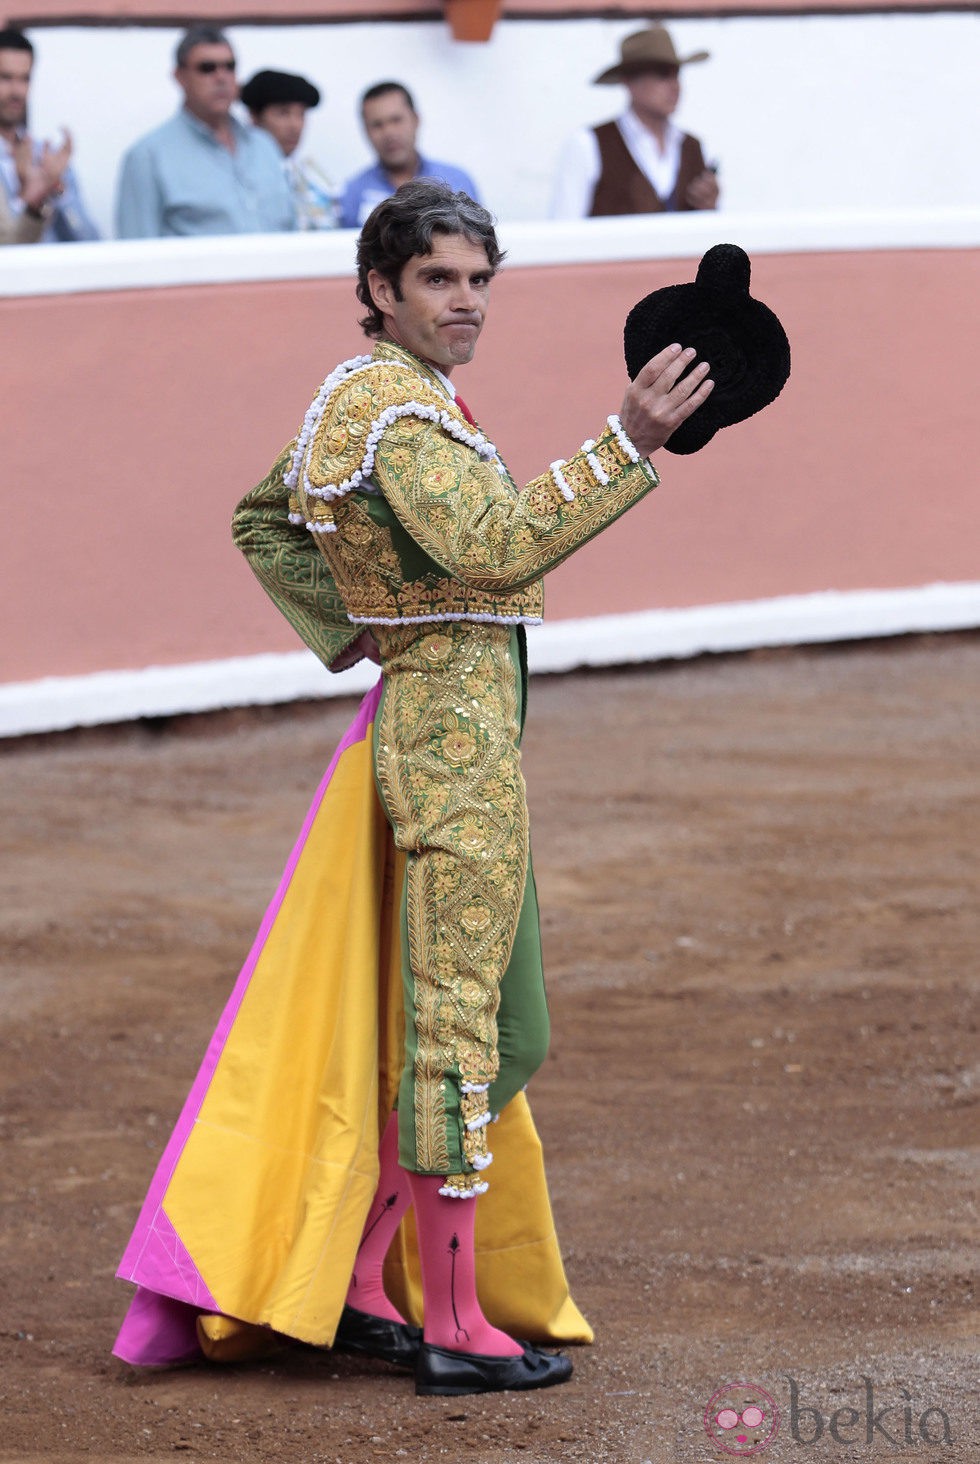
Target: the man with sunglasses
pixel 640 162
pixel 203 172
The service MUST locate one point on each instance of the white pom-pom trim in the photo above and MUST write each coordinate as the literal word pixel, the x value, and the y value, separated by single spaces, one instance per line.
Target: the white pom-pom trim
pixel 561 482
pixel 452 1193
pixel 598 471
pixel 474 1087
pixel 379 426
pixel 478 617
pixel 477 1123
pixel 616 427
pixel 482 1162
pixel 315 410
pixel 299 469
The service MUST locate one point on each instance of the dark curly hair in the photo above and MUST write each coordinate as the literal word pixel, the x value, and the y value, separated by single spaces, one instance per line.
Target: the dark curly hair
pixel 403 226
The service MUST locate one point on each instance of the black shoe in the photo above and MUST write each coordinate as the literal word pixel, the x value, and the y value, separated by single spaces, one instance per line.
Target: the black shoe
pixel 451 1374
pixel 396 1342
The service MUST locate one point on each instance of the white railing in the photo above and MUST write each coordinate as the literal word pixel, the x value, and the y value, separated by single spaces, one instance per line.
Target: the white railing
pixel 158 263
pixel 58 702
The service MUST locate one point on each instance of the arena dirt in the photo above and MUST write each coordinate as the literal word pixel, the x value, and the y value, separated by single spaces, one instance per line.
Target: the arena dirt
pixel 761 1113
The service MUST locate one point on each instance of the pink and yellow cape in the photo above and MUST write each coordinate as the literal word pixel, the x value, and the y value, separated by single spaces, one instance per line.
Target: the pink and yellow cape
pixel 252 1222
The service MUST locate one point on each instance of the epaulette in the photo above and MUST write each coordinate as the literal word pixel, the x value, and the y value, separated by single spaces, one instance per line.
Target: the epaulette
pixel 335 450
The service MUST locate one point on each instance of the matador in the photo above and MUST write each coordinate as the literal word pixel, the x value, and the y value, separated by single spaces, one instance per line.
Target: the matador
pixel 390 528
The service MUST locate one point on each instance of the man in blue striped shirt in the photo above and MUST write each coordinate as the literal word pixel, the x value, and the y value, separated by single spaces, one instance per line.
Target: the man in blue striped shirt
pixel 41 197
pixel 203 172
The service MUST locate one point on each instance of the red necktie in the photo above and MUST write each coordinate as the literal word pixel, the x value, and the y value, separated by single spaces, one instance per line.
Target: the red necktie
pixel 465 410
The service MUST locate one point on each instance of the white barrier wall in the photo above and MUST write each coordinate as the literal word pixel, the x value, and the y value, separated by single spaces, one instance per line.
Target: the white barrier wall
pixel 802 112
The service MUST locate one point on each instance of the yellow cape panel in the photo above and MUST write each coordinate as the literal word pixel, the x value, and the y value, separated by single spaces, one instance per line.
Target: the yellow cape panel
pixel 270 1192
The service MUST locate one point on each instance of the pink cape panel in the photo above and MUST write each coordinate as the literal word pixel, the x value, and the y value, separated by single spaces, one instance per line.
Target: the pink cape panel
pixel 160 1326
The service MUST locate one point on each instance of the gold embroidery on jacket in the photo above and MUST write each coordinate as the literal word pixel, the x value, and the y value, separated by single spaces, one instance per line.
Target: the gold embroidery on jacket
pixel 487 543
pixel 362 558
pixel 476 522
pixel 291 571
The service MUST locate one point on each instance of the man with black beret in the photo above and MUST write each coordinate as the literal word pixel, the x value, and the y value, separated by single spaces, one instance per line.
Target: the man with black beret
pixel 278 102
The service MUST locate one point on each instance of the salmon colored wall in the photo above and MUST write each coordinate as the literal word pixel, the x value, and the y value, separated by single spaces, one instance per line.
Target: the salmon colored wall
pixel 860 475
pixel 136 419
pixel 241 12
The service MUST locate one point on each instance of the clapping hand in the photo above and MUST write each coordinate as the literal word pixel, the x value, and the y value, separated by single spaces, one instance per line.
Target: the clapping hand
pixel 41 176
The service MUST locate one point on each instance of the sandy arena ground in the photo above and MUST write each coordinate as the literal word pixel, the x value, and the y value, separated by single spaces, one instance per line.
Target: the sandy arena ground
pixel 761 1112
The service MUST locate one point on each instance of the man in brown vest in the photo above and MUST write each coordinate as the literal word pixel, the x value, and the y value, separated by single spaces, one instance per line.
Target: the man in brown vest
pixel 640 162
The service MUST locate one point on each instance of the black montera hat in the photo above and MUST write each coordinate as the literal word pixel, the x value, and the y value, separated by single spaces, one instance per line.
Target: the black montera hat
pixel 739 337
pixel 268 87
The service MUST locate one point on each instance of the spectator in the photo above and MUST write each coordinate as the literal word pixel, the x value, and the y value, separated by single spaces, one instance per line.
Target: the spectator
pixel 203 172
pixel 278 103
pixel 40 182
pixel 39 196
pixel 640 162
pixel 391 124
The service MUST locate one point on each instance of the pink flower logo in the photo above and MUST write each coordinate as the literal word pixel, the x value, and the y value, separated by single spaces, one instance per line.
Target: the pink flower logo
pixel 741 1418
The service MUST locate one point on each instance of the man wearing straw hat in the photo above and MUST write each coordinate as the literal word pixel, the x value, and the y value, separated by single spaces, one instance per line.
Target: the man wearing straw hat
pixel 641 162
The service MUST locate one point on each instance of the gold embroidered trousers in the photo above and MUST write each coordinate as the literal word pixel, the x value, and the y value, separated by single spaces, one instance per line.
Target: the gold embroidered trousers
pixel 449 775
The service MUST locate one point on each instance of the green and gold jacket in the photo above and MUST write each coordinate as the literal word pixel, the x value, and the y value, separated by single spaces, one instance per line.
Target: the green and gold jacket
pixel 391 508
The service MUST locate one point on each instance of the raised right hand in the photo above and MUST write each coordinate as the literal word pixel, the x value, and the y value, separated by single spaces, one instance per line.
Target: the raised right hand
pixel 657 401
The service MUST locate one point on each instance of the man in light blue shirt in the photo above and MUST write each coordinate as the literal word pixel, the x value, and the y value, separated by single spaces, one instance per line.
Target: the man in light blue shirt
pixel 391 124
pixel 203 172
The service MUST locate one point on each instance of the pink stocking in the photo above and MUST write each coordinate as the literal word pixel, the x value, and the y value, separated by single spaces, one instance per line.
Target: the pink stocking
pixel 453 1317
pixel 391 1199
